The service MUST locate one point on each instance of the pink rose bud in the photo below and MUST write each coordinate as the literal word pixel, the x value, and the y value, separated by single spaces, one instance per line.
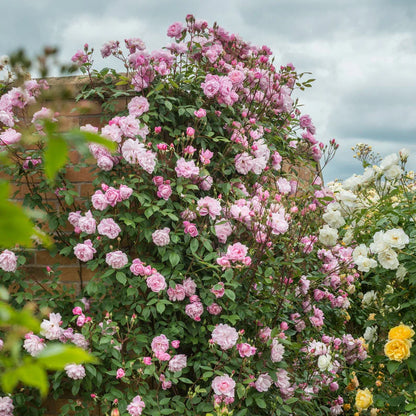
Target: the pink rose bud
pixel 120 373
pixel 48 269
pixel 158 129
pixel 284 326
pixel 77 310
pixel 190 132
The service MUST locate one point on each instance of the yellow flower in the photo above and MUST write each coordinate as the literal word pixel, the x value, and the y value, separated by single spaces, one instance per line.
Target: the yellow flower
pixel 363 399
pixel 398 349
pixel 401 332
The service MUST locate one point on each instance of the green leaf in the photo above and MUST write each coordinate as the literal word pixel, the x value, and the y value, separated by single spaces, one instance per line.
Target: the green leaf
pixel 194 245
pixel 160 307
pixel 260 403
pixel 392 366
pixel 55 156
pixel 57 356
pixel 121 277
pixel 230 294
pixel 174 258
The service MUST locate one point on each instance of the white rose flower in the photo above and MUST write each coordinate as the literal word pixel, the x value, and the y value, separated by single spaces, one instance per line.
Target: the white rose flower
pixel 352 182
pixel 348 237
pixel 325 362
pixel 404 154
pixel 394 172
pixel 364 264
pixel 396 238
pixel 388 259
pixel 360 250
pixel 328 236
pixel 370 334
pixel 369 298
pixel 379 243
pixel 347 199
pixel 401 273
pixel 334 219
pixel 389 161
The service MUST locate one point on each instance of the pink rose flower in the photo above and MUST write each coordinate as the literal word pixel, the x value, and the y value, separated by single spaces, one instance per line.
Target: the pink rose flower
pixel 194 310
pixel 109 228
pixel 225 336
pixel 84 251
pixel 263 383
pixel 33 344
pixel 186 169
pixel 77 310
pixel 237 252
pixel 175 343
pixel 135 408
pixel 214 309
pixel 175 30
pixel 9 136
pixel 8 261
pixel 177 363
pixel 219 293
pixel 147 360
pixel 223 386
pixel 161 237
pixel 164 191
pixel 99 201
pixel 76 372
pixel 206 156
pixel 190 228
pixel 116 259
pixel 137 106
pixel 112 195
pixel 156 282
pixel 223 229
pixel 200 113
pixel 125 192
pixel 120 373
pixel 277 351
pixel 189 286
pixel 190 132
pixel 177 293
pixel 246 350
pixel 209 206
pixel 160 344
pixel 87 223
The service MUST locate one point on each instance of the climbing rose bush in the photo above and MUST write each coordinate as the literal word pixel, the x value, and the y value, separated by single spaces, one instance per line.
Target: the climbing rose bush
pixel 217 287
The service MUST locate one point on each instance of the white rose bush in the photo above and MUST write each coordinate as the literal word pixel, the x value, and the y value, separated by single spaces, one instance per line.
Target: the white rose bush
pixel 223 276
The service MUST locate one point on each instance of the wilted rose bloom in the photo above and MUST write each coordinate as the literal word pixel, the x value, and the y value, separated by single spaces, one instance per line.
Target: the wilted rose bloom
pixel 225 336
pixel 263 382
pixel 214 309
pixel 161 237
pixel 8 261
pixel 156 282
pixel 116 259
pixel 33 344
pixel 177 362
pixel 160 343
pixel 194 310
pixel 76 372
pixel 223 386
pixel 135 408
pixel 109 228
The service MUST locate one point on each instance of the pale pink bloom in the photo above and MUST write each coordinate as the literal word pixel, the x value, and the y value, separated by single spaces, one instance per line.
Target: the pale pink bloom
pixel 166 384
pixel 84 251
pixel 190 228
pixel 99 201
pixel 147 360
pixel 194 310
pixel 284 186
pixel 105 163
pixel 109 228
pixel 177 293
pixel 81 320
pixel 209 206
pixel 206 183
pixel 214 309
pixel 160 343
pixel 190 286
pixel 276 160
pixel 87 223
pixel 206 156
pixel 51 329
pixel 137 106
pixel 162 356
pixel 109 48
pixel 223 386
pixel 135 408
pixel 219 293
pixel 43 113
pixel 130 126
pixel 6 406
pixel 33 344
pixel 243 163
pixel 164 191
pixel 225 336
pixel 161 237
pixel 188 215
pixel 237 252
pixel 8 261
pixel 200 113
pixel 211 85
pixel 186 169
pixel 116 259
pixel 29 162
pixel 120 373
pixel 246 350
pixel 236 76
pixel 264 333
pixel 175 30
pixel 277 352
pixel 147 161
pixel 113 133
pixel 263 383
pixel 112 195
pixel 177 363
pixel 223 229
pixel 80 341
pixel 156 282
pixel 132 150
pixel 76 372
pixel 138 269
pixel 125 192
pixel 9 136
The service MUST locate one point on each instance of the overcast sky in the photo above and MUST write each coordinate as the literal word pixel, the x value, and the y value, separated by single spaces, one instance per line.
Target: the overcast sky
pixel 361 52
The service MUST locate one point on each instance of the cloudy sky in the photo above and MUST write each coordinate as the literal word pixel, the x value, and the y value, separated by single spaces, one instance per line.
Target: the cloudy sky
pixel 361 52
